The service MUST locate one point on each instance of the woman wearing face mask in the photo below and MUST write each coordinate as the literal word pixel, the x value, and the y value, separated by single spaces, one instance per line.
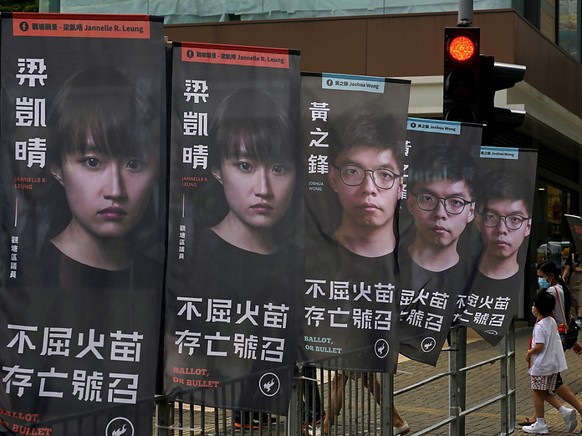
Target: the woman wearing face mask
pixel 550 280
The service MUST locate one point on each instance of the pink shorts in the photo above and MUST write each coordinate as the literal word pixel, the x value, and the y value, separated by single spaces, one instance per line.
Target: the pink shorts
pixel 543 382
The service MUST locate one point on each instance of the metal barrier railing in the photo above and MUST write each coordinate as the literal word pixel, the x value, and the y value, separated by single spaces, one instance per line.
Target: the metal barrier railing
pixel 363 401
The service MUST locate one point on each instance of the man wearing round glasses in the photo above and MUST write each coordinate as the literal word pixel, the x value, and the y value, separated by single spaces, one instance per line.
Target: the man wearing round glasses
pixel 368 184
pixel 365 173
pixel 441 204
pixel 504 221
pixel 433 273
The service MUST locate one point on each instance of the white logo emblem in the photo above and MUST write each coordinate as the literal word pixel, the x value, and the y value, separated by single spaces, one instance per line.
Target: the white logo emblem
pixel 381 348
pixel 428 344
pixel 119 427
pixel 269 384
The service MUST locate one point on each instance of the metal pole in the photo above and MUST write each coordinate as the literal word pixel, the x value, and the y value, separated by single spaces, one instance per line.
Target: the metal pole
pixel 454 408
pixel 503 385
pixel 165 416
pixel 512 378
pixel 465 13
pixel 387 404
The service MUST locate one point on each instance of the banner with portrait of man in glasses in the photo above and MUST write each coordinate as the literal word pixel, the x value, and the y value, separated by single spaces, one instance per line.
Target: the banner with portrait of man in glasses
pixel 435 215
pixel 354 129
pixel 503 218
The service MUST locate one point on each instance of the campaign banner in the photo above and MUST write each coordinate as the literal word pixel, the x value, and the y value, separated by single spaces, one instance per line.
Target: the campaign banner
pixel 235 257
pixel 353 131
pixel 435 226
pixel 575 224
pixel 83 222
pixel 503 219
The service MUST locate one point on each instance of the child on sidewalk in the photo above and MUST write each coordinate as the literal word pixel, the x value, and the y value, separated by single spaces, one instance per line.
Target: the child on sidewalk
pixel 545 359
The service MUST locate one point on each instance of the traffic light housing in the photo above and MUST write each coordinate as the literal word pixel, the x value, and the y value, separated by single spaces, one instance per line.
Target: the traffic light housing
pixel 461 90
pixel 471 80
pixel 496 76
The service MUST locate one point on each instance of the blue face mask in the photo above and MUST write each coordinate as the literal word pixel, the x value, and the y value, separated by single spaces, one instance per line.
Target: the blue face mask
pixel 543 282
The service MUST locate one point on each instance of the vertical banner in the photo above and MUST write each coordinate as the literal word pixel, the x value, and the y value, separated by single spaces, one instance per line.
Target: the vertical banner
pixel 575 224
pixel 83 222
pixel 503 214
pixel 235 234
pixel 436 216
pixel 353 133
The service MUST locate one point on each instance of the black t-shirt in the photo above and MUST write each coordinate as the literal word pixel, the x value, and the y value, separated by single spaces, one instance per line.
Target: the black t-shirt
pixel 244 320
pixel 428 304
pixel 491 304
pixel 93 342
pixel 356 299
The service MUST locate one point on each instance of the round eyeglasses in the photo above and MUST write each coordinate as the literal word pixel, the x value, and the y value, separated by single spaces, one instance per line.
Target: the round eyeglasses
pixel 512 222
pixel 453 205
pixel 353 175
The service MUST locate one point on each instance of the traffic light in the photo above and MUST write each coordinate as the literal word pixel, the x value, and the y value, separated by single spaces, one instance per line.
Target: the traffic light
pixel 461 90
pixel 496 76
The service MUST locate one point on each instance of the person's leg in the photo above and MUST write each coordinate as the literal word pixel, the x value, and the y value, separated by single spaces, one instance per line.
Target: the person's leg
pixel 338 384
pixel 397 420
pixel 552 400
pixel 374 387
pixel 314 408
pixel 538 399
pixel 243 419
pixel 568 396
pixel 398 423
pixel 539 426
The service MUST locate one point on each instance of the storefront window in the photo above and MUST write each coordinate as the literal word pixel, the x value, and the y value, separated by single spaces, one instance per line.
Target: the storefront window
pixel 553 233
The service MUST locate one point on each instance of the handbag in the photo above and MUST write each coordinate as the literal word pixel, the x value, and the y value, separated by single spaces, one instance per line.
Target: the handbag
pixel 568 333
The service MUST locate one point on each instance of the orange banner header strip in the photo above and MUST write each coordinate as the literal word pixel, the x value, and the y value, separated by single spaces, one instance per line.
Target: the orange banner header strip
pixel 235 55
pixel 81 26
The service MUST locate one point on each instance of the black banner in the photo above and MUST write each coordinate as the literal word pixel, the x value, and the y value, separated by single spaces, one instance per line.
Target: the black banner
pixel 575 224
pixel 354 129
pixel 235 258
pixel 504 207
pixel 434 252
pixel 83 176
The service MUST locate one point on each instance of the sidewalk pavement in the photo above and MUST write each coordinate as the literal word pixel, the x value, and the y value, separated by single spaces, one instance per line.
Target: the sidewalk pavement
pixel 428 404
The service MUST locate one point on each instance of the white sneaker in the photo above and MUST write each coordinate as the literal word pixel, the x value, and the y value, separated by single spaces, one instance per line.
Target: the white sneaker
pixel 569 416
pixel 403 429
pixel 536 428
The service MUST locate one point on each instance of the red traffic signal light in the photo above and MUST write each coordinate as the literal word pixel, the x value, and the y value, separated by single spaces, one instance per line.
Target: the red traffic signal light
pixel 461 90
pixel 462 48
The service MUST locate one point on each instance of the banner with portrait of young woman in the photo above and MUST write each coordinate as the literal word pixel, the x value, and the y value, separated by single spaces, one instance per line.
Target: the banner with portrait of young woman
pixel 435 227
pixel 235 229
pixel 83 222
pixel 353 131
pixel 504 198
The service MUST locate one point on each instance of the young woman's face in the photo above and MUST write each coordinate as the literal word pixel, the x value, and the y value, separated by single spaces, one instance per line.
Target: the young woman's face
pixel 107 196
pixel 258 194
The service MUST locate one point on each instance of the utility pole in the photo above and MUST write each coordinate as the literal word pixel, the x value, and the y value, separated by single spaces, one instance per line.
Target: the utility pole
pixel 465 13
